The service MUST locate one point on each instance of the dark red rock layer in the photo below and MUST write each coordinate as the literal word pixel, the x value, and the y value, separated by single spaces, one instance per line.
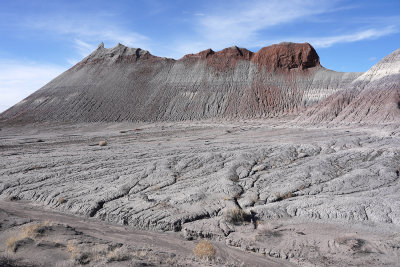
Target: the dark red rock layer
pixel 222 60
pixel 279 57
pixel 287 56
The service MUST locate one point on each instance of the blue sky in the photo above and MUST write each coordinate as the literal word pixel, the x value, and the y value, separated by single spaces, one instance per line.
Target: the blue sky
pixel 41 39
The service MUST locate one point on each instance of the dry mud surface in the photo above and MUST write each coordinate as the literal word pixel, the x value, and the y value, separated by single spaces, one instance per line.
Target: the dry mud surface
pixel 285 194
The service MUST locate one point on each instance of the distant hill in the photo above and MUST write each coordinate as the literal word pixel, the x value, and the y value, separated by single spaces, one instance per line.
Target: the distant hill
pixel 128 84
pixel 374 97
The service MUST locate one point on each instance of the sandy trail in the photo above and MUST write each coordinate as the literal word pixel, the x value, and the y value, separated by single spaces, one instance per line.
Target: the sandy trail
pixel 166 242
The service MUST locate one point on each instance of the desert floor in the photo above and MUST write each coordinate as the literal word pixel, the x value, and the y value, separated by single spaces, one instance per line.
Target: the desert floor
pixel 264 193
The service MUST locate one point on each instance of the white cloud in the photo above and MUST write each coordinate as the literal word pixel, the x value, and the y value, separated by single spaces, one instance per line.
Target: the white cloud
pixel 84 48
pixel 87 32
pixel 242 23
pixel 246 24
pixel 20 79
pixel 328 41
pixel 353 37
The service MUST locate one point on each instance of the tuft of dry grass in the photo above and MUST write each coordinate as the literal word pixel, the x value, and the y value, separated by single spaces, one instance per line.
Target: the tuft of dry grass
pixel 280 197
pixel 234 178
pixel 266 234
pixel 237 196
pixel 236 216
pixel 61 200
pixel 72 248
pixel 155 188
pixel 119 254
pixel 11 243
pixel 13 198
pixel 77 255
pixel 164 205
pixel 103 143
pixel 255 198
pixel 33 230
pixel 204 250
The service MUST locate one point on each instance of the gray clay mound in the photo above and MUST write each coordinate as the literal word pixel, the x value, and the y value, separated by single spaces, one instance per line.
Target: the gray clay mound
pixel 374 97
pixel 127 84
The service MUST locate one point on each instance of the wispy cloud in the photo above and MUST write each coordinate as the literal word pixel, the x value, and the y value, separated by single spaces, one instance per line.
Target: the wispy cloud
pixel 353 37
pixel 241 24
pixel 247 25
pixel 20 79
pixel 83 48
pixel 87 32
pixel 328 41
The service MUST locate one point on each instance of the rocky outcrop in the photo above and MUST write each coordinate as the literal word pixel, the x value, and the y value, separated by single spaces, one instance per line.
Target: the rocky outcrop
pixel 287 56
pixel 279 57
pixel 117 54
pixel 128 84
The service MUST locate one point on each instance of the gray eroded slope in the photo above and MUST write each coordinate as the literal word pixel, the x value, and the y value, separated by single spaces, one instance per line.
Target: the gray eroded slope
pixel 127 84
pixel 373 97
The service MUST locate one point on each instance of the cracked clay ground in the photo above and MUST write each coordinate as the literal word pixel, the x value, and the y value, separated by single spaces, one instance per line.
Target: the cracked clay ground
pixel 311 195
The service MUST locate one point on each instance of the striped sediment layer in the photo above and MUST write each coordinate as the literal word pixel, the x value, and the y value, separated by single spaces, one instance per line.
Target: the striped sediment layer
pixel 128 84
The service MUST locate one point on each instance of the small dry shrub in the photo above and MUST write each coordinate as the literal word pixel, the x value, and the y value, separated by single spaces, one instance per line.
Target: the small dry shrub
pixel 77 255
pixel 280 197
pixel 237 196
pixel 11 243
pixel 61 200
pixel 33 230
pixel 119 254
pixel 204 250
pixel 141 254
pixel 234 178
pixel 255 198
pixel 155 188
pixel 236 216
pixel 28 232
pixel 72 248
pixel 13 198
pixel 103 143
pixel 266 234
pixel 164 205
pixel 9 260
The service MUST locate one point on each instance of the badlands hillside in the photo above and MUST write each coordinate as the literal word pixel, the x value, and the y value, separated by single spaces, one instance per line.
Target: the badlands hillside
pixel 273 159
pixel 127 84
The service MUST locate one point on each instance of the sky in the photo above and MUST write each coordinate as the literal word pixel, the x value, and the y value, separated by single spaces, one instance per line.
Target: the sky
pixel 41 39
